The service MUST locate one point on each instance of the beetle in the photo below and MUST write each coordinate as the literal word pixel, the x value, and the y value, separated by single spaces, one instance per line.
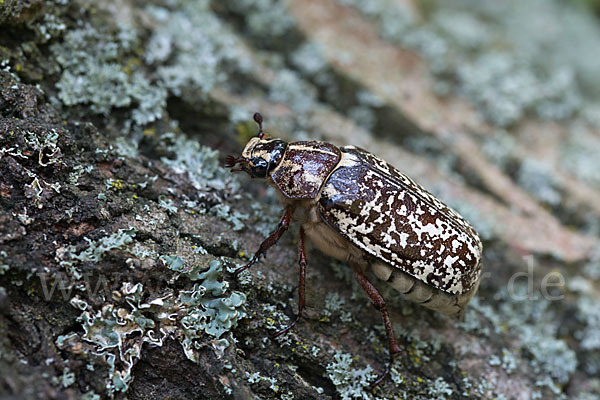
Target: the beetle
pixel 363 211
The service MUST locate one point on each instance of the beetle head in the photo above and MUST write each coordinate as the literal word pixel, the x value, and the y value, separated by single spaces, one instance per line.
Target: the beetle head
pixel 260 156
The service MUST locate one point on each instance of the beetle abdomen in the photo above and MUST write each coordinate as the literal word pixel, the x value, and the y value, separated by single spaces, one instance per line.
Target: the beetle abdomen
pixel 304 168
pixel 422 294
pixel 386 214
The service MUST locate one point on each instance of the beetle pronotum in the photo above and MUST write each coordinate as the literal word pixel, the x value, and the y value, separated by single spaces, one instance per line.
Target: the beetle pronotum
pixel 361 210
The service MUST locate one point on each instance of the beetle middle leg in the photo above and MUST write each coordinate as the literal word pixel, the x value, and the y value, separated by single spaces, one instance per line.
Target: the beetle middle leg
pixel 302 263
pixel 284 224
pixel 379 303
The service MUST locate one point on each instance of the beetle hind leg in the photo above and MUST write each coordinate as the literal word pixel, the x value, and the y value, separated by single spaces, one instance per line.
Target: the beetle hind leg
pixel 379 303
pixel 301 286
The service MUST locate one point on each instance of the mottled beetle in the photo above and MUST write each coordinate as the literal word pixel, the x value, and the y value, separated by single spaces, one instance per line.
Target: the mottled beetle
pixel 361 210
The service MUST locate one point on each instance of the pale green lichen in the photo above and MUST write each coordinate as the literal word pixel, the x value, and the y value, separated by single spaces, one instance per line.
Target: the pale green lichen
pixel 579 155
pixel 538 178
pixel 256 377
pixel 45 144
pixel 533 322
pixel 200 163
pixel 3 266
pixel 334 305
pixel 167 204
pixel 90 396
pixel 439 389
pixel 289 88
pixel 588 314
pixel 78 171
pixel 191 47
pixel 508 361
pixel 549 355
pixel 520 76
pixel 235 217
pixel 94 73
pixel 266 19
pixel 97 249
pixel 309 59
pixel 39 190
pixel 205 309
pixel 49 27
pixel 350 383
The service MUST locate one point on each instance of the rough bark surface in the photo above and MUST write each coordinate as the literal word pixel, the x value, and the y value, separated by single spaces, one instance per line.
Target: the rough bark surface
pixel 120 229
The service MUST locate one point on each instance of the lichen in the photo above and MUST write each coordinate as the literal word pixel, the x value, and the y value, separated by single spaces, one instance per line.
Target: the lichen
pixel 94 73
pixel 507 361
pixel 333 305
pixel 349 382
pixel 439 389
pixel 3 266
pixel 191 47
pixel 97 249
pixel 521 76
pixel 289 88
pixel 205 308
pixel 116 332
pixel 256 377
pixel 266 19
pixel 579 156
pixel 200 163
pixel 537 178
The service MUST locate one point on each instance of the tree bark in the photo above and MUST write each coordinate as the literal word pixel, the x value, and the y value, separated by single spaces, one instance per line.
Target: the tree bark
pixel 120 228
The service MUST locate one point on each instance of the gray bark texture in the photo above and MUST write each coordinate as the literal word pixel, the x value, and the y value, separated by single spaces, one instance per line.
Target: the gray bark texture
pixel 120 227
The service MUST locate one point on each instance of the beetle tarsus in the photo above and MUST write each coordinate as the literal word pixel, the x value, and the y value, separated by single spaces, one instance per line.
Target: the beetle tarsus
pixel 242 269
pixel 287 328
pixel 284 224
pixel 388 368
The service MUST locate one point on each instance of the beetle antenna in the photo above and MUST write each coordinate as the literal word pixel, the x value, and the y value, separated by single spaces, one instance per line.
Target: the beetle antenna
pixel 230 161
pixel 259 120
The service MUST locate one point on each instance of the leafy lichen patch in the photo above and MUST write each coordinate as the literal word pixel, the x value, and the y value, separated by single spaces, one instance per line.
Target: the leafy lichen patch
pixel 93 73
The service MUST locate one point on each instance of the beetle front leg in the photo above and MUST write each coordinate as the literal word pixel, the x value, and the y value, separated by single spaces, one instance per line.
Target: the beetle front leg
pixel 379 303
pixel 284 224
pixel 302 263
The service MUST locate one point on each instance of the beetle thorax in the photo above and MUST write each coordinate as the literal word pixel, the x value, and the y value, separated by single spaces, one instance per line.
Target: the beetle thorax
pixel 258 148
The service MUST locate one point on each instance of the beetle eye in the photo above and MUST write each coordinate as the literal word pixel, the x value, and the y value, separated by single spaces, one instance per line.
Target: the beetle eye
pixel 258 167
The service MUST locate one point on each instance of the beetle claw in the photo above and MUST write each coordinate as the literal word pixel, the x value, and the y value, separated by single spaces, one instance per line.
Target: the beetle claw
pixel 287 328
pixel 388 368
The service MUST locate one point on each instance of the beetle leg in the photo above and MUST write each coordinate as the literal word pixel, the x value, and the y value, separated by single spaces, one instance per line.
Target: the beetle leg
pixel 284 224
pixel 302 263
pixel 379 303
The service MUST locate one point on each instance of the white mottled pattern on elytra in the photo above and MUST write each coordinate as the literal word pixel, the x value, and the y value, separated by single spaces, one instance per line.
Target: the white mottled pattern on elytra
pixel 397 221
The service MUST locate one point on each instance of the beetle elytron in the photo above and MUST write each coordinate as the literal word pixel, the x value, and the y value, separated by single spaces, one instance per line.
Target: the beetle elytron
pixel 363 211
